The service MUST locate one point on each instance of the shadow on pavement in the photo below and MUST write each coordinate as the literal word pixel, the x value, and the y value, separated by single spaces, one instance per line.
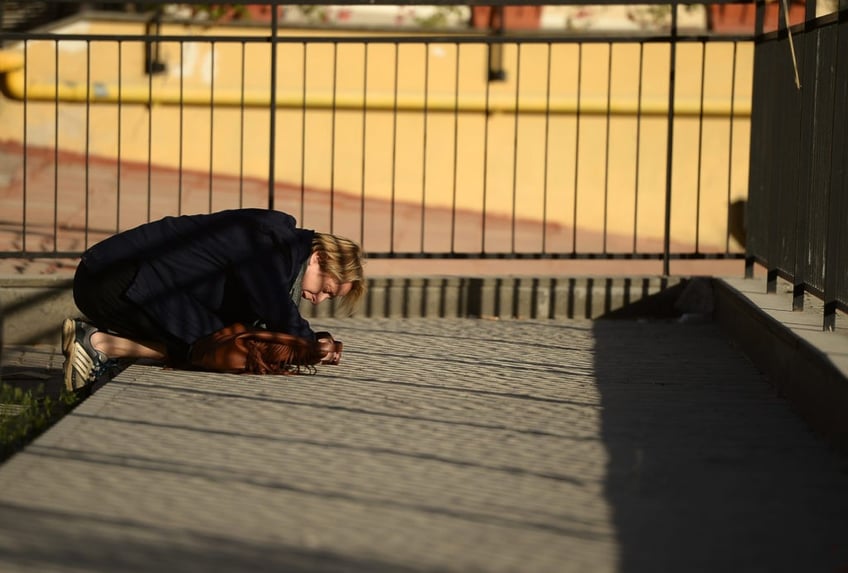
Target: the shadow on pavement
pixel 107 544
pixel 708 470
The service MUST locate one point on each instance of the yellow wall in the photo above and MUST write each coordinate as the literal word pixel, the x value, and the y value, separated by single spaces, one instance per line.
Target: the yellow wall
pixel 321 148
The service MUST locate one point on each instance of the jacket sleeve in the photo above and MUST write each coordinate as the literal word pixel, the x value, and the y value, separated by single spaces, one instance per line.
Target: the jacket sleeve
pixel 267 277
pixel 290 321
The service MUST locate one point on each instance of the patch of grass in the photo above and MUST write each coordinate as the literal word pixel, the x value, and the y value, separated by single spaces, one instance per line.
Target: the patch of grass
pixel 25 414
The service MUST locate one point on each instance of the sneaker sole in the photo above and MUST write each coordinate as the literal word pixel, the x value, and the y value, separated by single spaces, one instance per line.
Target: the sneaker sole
pixel 76 358
pixel 68 336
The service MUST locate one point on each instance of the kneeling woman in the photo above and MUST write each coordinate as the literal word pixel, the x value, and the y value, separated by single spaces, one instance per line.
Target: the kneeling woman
pixel 155 290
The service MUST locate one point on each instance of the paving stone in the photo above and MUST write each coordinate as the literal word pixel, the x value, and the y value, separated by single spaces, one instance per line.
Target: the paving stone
pixel 454 445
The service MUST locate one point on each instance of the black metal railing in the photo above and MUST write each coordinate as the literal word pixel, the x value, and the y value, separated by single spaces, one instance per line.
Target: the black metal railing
pixel 798 197
pixel 594 147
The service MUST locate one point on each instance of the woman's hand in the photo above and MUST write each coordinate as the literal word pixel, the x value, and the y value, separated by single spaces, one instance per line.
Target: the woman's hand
pixel 333 356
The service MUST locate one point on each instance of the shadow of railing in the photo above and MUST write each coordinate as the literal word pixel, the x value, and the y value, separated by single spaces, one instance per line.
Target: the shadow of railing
pixel 708 469
pixel 515 297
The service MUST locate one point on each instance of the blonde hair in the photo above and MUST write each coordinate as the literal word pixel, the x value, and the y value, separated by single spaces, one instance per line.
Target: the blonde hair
pixel 342 259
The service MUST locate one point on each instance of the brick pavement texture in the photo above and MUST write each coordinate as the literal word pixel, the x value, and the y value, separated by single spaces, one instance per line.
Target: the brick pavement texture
pixel 453 445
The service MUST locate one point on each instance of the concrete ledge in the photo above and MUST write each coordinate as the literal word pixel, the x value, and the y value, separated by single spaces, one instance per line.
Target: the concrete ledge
pixel 806 365
pixel 34 306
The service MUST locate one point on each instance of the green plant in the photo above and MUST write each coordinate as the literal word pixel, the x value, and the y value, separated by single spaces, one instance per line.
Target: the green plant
pixel 202 12
pixel 215 12
pixel 27 413
pixel 440 17
pixel 649 16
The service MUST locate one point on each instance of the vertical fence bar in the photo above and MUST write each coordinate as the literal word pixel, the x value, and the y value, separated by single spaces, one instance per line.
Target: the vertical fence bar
pixel 241 124
pixel 394 149
pixel 759 17
pixel 424 118
pixel 272 119
pixel 807 55
pixel 303 74
pixel 455 147
pixel 119 125
pixel 24 162
pixel 638 146
pixel 826 192
pixel 55 145
pixel 303 130
pixel 787 151
pixel 181 131
pixel 488 118
pixel 836 257
pixel 364 142
pixel 700 158
pixel 211 123
pixel 607 148
pixel 809 10
pixel 515 146
pixel 87 161
pixel 547 151
pixel 764 134
pixel 333 112
pixel 148 69
pixel 730 148
pixel 670 142
pixel 579 112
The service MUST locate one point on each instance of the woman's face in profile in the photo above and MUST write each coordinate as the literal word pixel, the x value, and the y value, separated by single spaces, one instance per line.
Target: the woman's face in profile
pixel 317 286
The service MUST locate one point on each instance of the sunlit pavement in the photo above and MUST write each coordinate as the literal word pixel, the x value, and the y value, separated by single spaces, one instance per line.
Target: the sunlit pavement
pixel 437 445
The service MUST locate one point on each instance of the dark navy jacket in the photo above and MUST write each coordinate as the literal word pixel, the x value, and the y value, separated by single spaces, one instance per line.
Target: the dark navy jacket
pixel 199 273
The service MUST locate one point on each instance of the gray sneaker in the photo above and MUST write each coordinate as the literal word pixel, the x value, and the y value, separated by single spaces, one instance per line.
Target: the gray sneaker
pixel 84 364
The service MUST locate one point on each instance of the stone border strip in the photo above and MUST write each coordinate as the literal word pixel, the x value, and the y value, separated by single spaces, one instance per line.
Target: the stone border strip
pixel 806 365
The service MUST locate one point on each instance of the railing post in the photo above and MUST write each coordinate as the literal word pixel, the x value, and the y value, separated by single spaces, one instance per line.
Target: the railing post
pixel 152 63
pixel 749 267
pixel 829 318
pixel 670 141
pixel 272 126
pixel 798 295
pixel 771 281
pixel 805 156
pixel 496 70
pixel 809 11
pixel 759 24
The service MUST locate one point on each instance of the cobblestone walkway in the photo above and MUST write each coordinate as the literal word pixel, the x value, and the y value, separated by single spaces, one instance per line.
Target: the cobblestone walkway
pixel 438 445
